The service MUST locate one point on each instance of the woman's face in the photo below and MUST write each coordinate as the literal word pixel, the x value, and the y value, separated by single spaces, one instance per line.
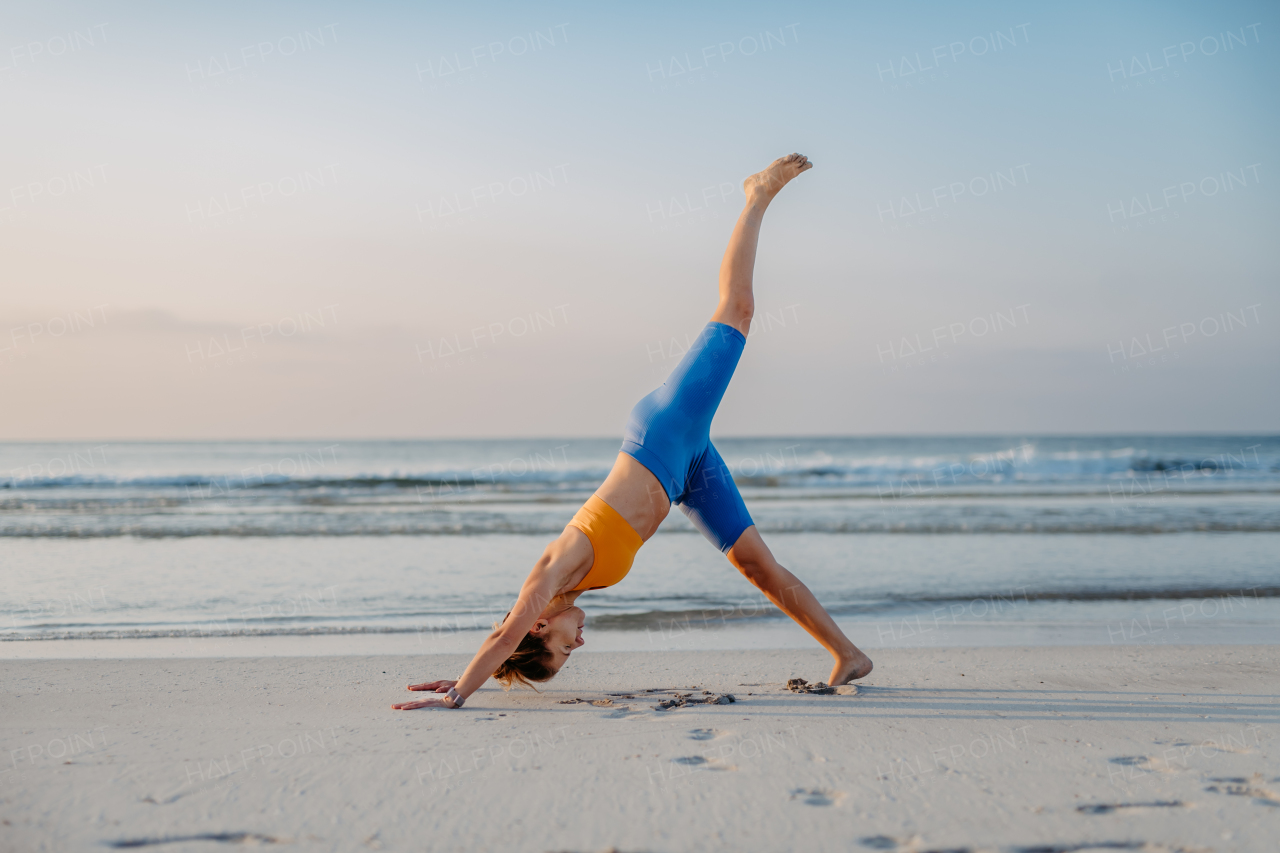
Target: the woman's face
pixel 561 631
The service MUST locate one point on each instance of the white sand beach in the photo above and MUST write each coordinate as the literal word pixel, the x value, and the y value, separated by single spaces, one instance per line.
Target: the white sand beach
pixel 1010 749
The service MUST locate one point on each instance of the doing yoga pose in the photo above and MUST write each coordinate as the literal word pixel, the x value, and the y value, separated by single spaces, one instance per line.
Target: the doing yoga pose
pixel 666 457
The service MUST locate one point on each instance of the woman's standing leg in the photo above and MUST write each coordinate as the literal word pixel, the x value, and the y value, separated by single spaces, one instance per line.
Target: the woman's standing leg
pixel 753 558
pixel 737 303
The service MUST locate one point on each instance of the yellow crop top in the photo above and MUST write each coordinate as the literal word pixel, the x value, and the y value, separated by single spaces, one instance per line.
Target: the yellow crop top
pixel 614 541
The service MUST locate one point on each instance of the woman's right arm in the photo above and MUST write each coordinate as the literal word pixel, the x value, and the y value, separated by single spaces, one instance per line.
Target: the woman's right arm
pixel 496 648
pixel 560 562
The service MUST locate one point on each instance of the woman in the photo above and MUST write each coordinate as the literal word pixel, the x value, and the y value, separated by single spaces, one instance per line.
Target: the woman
pixel 666 457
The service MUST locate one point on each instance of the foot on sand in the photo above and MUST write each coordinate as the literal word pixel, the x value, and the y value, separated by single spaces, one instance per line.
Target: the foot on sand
pixel 763 186
pixel 850 667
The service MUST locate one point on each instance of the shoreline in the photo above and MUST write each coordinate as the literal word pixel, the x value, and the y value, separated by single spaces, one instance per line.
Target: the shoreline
pixel 1143 628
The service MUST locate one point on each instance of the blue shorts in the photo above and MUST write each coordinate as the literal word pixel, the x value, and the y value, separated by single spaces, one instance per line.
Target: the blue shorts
pixel 669 433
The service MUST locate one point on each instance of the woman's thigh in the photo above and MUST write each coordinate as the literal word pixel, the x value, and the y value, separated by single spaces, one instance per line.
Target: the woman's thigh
pixel 713 503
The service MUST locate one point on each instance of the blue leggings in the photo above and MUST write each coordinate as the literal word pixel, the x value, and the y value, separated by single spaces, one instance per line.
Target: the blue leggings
pixel 669 433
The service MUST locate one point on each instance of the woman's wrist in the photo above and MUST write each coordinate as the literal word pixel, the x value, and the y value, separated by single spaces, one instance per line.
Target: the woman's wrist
pixel 455 698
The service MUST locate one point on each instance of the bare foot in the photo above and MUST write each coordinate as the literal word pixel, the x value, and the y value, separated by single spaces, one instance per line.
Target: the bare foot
pixel 763 186
pixel 850 667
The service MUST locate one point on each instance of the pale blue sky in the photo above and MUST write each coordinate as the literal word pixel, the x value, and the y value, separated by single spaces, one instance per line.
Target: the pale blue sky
pixel 259 209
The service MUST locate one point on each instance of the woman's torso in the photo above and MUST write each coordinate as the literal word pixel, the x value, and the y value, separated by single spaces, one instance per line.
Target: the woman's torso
pixel 632 492
pixel 636 494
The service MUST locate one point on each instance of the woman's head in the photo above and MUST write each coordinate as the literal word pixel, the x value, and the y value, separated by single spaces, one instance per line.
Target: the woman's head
pixel 545 648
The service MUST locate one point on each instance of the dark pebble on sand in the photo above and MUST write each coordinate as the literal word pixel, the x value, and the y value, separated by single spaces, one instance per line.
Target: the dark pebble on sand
pixel 799 685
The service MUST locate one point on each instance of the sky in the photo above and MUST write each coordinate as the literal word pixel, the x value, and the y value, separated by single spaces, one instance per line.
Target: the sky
pixel 307 220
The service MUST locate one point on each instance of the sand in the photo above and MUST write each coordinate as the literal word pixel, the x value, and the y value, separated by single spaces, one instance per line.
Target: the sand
pixel 1009 749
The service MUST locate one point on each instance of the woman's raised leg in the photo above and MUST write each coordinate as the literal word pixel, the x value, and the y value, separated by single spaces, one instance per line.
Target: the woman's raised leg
pixel 749 554
pixel 737 303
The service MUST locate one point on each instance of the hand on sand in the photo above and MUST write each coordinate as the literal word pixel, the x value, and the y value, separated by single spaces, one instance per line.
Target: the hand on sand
pixel 433 702
pixel 436 686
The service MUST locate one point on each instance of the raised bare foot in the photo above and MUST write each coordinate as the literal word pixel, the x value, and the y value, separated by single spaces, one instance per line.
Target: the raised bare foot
pixel 849 667
pixel 763 186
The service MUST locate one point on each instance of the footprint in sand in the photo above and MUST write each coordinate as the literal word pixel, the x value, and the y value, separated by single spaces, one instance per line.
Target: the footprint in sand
pixel 1112 808
pixel 817 796
pixel 704 734
pixel 228 837
pixel 1241 788
pixel 911 843
pixel 701 762
pixel 914 843
pixel 164 802
pixel 599 703
pixel 885 842
pixel 1143 764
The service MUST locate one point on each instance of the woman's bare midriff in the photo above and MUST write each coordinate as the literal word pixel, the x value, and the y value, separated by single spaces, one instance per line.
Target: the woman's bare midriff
pixel 636 494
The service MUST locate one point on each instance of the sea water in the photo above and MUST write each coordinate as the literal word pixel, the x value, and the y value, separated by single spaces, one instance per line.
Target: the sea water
pixel 423 545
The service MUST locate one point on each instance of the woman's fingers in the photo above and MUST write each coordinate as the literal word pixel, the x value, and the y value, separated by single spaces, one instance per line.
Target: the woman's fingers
pixel 413 706
pixel 441 686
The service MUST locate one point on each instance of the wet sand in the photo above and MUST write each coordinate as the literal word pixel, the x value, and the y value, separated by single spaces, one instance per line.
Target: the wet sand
pixel 1061 748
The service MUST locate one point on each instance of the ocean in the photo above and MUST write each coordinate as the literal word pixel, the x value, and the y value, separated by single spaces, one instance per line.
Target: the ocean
pixel 424 544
